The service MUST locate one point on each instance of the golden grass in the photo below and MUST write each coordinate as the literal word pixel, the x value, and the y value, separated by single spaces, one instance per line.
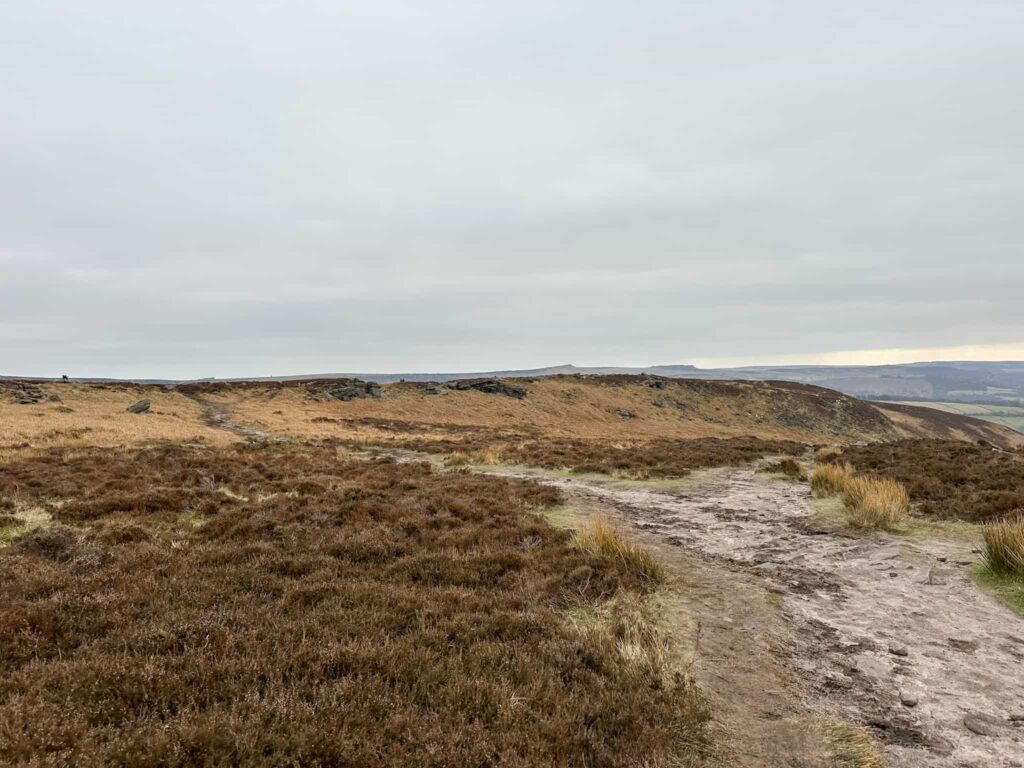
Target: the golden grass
pixel 852 746
pixel 602 539
pixel 870 502
pixel 830 479
pixel 90 414
pixel 1004 546
pixel 875 503
pixel 554 407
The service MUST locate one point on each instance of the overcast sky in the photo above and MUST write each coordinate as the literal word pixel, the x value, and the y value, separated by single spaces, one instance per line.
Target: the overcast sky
pixel 245 188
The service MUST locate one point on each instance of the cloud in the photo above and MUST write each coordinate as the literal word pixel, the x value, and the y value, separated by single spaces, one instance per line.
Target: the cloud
pixel 244 188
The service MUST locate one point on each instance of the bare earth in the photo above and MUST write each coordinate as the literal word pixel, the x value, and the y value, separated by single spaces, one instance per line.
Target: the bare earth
pixel 880 631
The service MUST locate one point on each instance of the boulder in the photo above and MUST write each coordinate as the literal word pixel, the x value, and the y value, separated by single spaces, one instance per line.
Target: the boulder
pixel 489 386
pixel 142 406
pixel 354 389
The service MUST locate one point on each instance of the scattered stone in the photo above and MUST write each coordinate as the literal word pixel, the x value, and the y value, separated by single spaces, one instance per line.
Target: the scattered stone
pixel 908 700
pixel 1017 718
pixel 354 389
pixel 623 413
pixel 984 725
pixel 142 406
pixel 899 650
pixel 430 388
pixel 885 553
pixel 26 394
pixel 965 646
pixel 489 386
pixel 942 559
pixel 838 681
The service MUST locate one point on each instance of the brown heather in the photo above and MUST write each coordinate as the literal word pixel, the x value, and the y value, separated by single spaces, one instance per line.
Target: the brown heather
pixel 639 459
pixel 269 606
pixel 947 479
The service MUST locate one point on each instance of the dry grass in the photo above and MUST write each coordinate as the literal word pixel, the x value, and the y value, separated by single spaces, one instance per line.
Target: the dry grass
pixel 875 503
pixel 830 479
pixel 94 414
pixel 565 406
pixel 324 612
pixel 1004 546
pixel 871 503
pixel 601 539
pixel 791 468
pixel 852 746
pixel 948 479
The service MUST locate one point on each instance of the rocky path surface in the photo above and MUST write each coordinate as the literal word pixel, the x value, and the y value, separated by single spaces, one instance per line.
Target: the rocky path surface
pixel 881 631
pixel 219 416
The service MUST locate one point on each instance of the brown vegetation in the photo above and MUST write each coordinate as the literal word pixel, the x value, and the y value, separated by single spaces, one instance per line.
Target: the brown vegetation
pixel 281 605
pixel 947 479
pixel 653 458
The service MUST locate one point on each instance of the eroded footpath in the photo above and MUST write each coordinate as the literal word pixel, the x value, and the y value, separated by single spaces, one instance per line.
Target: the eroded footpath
pixel 882 631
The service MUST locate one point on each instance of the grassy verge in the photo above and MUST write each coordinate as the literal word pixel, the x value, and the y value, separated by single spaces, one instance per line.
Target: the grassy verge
pixel 1007 588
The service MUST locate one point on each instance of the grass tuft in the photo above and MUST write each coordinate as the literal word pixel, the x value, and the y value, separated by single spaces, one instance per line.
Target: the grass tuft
pixel 852 746
pixel 875 503
pixel 1004 546
pixel 604 540
pixel 830 479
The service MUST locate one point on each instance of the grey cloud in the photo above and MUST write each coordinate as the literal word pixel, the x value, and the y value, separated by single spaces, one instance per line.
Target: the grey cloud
pixel 243 188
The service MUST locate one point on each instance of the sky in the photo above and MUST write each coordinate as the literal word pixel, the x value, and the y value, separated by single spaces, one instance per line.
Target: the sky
pixel 267 188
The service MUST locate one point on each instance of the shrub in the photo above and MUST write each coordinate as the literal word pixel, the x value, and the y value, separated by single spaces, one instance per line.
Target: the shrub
pixel 826 454
pixel 602 539
pixel 791 468
pixel 872 503
pixel 948 479
pixel 830 479
pixel 1004 545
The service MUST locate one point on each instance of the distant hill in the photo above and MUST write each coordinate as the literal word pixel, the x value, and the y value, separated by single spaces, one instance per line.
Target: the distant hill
pixel 993 383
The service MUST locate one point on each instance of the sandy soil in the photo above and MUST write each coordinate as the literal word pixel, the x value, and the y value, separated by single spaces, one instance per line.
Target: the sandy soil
pixel 881 631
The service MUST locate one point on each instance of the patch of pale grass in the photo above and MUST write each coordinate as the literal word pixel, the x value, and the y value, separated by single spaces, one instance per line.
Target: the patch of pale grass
pixel 1004 546
pixel 875 502
pixel 600 538
pixel 852 746
pixel 830 479
pixel 482 457
pixel 26 518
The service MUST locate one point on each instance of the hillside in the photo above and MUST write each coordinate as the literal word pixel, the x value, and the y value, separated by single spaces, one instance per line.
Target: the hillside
pixel 585 407
pixel 618 407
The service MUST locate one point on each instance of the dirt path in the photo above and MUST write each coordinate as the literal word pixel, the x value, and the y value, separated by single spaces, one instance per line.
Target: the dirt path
pixel 880 631
pixel 219 416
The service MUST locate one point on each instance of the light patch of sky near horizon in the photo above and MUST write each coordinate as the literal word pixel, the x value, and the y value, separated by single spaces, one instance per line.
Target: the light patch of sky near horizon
pixel 999 352
pixel 258 188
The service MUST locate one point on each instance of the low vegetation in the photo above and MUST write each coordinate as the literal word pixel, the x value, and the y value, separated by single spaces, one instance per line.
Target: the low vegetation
pixel 644 459
pixel 875 503
pixel 871 503
pixel 1004 546
pixel 947 479
pixel 830 479
pixel 602 539
pixel 282 605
